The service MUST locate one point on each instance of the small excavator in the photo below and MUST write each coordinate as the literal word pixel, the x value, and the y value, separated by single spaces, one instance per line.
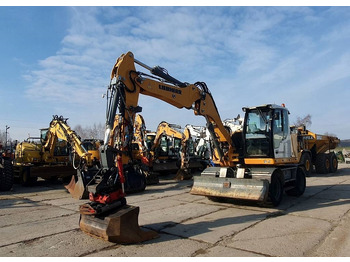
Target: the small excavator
pixel 258 165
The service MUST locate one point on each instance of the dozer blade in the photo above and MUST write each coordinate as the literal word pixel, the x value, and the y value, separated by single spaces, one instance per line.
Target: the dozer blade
pixel 77 188
pixel 119 227
pixel 235 188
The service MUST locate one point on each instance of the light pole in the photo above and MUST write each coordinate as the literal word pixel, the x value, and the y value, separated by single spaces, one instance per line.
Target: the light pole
pixel 7 127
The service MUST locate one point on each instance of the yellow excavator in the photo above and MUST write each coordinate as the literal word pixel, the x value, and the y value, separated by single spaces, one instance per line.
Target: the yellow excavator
pixel 165 147
pixel 36 157
pixel 84 159
pixel 262 169
pixel 172 149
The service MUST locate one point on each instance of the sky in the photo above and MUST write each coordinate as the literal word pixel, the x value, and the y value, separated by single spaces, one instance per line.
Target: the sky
pixel 57 60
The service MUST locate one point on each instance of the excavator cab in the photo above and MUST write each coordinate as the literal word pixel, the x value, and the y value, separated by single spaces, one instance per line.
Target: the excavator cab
pixel 266 132
pixel 266 166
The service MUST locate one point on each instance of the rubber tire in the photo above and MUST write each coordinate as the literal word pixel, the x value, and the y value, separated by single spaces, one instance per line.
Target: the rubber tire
pixel 305 160
pixel 333 162
pixel 322 163
pixel 276 190
pixel 6 176
pixel 299 184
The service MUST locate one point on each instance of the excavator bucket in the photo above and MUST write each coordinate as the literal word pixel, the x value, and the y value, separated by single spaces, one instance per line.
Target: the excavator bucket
pixel 235 188
pixel 119 227
pixel 77 188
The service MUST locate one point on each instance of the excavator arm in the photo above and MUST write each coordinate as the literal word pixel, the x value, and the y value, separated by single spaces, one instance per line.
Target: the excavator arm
pixel 59 129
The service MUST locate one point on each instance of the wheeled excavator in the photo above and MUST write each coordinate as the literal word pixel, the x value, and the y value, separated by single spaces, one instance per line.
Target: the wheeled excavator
pixel 35 157
pixel 263 170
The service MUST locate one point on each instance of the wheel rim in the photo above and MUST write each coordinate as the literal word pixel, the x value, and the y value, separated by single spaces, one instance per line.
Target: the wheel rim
pixel 334 163
pixel 307 165
pixel 327 164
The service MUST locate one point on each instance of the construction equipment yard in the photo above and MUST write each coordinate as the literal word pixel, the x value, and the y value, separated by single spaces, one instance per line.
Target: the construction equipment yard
pixel 43 220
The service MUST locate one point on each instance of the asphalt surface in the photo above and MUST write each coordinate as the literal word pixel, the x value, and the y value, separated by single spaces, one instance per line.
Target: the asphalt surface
pixel 43 221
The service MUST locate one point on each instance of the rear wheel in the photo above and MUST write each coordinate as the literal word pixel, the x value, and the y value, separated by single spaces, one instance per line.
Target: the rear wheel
pixel 276 190
pixel 333 162
pixel 322 163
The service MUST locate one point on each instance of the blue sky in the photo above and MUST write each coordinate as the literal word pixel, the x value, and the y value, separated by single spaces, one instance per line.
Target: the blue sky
pixel 57 61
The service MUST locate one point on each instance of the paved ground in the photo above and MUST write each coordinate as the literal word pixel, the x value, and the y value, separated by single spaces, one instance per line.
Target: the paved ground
pixel 43 221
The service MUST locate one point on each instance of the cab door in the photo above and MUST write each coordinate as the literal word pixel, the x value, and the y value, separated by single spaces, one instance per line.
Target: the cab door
pixel 281 134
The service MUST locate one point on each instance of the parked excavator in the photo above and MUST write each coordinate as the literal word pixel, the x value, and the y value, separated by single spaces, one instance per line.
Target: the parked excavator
pixel 36 157
pixel 172 149
pixel 165 146
pixel 202 142
pixel 264 169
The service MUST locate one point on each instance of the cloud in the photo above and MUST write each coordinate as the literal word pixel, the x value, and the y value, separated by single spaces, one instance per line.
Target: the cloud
pixel 247 56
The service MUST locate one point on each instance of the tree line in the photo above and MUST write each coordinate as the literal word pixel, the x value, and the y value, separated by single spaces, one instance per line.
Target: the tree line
pixel 96 131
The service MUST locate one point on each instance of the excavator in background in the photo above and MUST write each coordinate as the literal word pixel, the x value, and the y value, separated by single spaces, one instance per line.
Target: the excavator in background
pixel 172 149
pixel 85 157
pixel 200 138
pixel 36 157
pixel 92 146
pixel 165 146
pixel 195 151
pixel 263 170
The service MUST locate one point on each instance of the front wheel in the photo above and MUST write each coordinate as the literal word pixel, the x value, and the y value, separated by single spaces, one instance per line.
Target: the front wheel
pixel 333 162
pixel 322 163
pixel 306 162
pixel 276 190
